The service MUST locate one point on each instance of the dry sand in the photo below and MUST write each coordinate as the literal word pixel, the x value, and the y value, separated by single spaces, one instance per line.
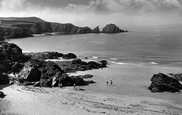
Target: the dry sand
pixel 128 96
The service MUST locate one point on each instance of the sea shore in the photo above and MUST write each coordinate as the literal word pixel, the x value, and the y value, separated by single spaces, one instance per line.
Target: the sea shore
pixel 128 95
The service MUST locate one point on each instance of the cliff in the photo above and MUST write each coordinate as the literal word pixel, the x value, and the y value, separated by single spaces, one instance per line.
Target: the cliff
pixel 25 27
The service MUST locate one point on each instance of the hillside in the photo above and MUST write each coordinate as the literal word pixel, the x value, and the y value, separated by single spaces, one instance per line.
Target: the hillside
pixel 16 27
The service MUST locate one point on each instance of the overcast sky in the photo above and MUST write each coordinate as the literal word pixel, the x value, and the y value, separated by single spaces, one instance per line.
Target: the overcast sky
pixel 127 14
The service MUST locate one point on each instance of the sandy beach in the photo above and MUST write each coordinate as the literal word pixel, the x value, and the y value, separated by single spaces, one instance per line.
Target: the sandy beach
pixel 127 96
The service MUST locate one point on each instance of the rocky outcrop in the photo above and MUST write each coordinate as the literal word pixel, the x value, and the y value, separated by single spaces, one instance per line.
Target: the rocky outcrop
pixel 11 57
pixel 79 65
pixel 51 74
pixel 11 60
pixel 50 55
pixel 164 83
pixel 96 30
pixel 30 74
pixel 112 28
pixel 69 56
pixel 44 55
pixel 39 72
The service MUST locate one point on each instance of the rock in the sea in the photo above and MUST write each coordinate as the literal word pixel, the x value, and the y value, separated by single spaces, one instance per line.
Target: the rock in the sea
pixel 112 28
pixel 164 83
pixel 96 30
pixel 69 56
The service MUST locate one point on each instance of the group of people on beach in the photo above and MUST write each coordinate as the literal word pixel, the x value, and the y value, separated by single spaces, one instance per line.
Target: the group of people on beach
pixel 111 82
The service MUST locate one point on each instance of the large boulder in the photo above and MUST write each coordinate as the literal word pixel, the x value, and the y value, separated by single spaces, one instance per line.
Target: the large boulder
pixel 112 28
pixel 4 79
pixel 51 73
pixel 94 65
pixel 11 57
pixel 2 95
pixel 164 83
pixel 30 74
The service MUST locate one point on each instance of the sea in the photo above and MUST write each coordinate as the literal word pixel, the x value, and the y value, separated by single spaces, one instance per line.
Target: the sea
pixel 142 48
pixel 137 56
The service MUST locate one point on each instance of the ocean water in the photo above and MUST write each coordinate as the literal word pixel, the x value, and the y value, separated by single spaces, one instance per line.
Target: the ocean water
pixel 163 47
pixel 138 56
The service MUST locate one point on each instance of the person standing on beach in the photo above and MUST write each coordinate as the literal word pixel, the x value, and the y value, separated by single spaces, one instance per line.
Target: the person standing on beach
pixel 111 82
pixel 107 82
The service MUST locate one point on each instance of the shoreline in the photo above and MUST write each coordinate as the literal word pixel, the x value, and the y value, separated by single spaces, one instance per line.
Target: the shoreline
pixel 49 101
pixel 134 78
pixel 101 99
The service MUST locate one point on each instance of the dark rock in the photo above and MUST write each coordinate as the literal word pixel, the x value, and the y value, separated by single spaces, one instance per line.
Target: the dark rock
pixel 30 74
pixel 112 28
pixel 162 83
pixel 51 74
pixel 4 79
pixel 103 63
pixel 76 61
pixel 78 80
pixel 44 55
pixel 11 57
pixel 79 65
pixel 177 76
pixel 69 56
pixel 2 95
pixel 48 69
pixel 96 30
pixel 94 65
pixel 65 80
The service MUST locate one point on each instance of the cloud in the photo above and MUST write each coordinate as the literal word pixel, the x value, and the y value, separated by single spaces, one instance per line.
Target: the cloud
pixel 129 6
pixel 125 13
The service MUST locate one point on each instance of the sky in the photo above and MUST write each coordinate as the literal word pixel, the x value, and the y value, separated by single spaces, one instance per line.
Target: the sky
pixel 127 14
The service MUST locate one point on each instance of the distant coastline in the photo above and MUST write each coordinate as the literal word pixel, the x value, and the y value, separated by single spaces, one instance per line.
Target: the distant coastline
pixel 16 27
